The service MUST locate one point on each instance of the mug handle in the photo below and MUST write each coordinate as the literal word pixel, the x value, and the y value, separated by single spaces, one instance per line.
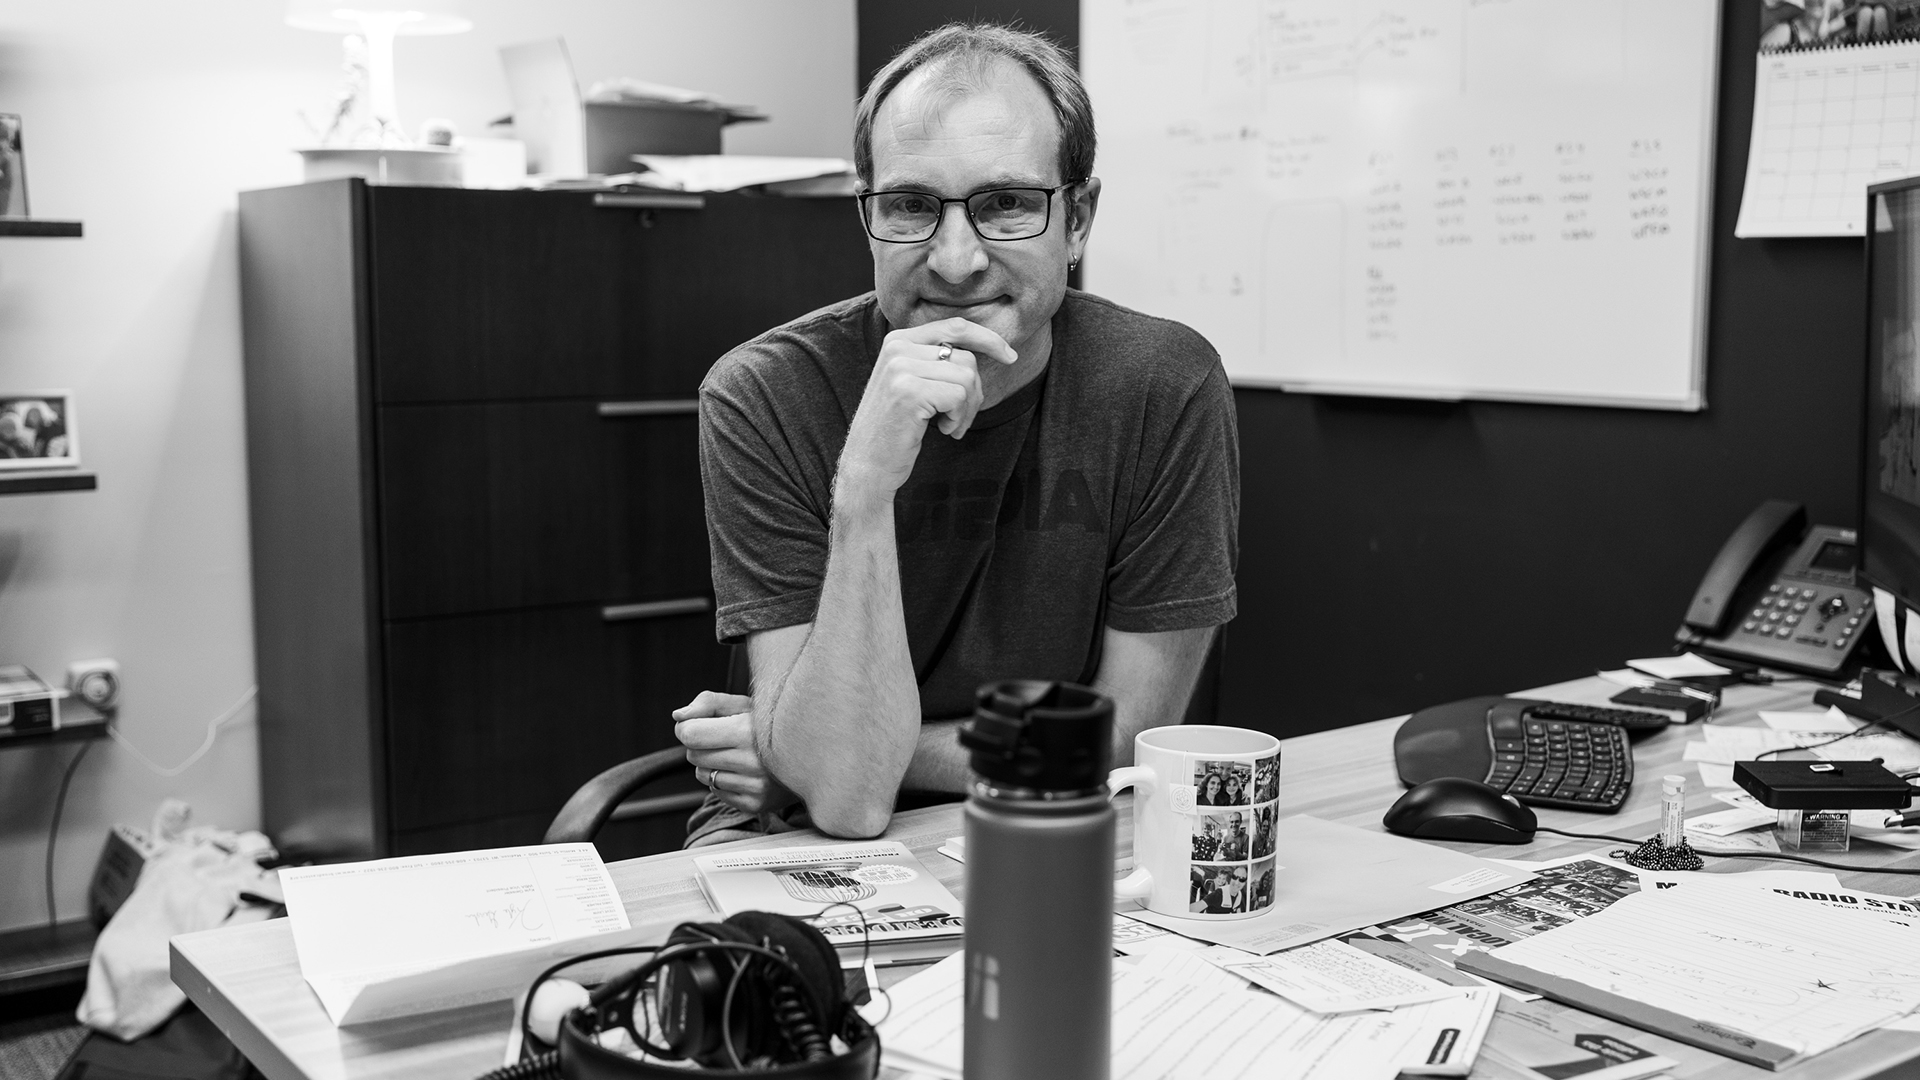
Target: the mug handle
pixel 1137 885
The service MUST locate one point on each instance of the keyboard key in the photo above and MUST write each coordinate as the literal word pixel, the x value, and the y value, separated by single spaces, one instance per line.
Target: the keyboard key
pixel 1573 756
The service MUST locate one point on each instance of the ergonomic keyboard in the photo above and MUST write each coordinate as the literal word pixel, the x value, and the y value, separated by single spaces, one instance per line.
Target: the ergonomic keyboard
pixel 1549 754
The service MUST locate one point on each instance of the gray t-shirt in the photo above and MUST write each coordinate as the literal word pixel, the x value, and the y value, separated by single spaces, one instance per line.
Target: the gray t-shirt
pixel 1106 492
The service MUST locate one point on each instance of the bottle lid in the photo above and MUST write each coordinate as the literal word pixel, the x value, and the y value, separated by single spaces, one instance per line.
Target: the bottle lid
pixel 1673 785
pixel 1049 736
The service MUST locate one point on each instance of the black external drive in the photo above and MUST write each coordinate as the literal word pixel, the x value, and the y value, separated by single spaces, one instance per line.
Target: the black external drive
pixel 1823 785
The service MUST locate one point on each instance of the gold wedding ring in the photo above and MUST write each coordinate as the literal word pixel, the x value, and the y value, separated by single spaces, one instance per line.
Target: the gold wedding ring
pixel 946 352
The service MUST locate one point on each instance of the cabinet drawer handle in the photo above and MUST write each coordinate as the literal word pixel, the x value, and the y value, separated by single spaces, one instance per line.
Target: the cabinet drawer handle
pixel 655 609
pixel 674 407
pixel 662 200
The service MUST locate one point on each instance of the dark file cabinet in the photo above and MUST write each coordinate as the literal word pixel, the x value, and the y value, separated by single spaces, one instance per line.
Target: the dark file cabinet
pixel 479 547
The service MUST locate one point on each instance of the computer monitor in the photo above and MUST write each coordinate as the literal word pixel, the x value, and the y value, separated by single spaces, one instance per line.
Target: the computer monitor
pixel 1890 431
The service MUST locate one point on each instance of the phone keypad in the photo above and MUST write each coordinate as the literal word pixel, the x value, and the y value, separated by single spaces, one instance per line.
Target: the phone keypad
pixel 1786 610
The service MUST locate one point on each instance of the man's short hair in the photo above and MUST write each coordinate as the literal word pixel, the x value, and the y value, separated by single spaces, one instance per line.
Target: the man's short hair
pixel 965 55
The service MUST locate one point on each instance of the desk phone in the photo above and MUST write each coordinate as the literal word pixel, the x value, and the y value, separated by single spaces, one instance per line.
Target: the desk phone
pixel 1781 592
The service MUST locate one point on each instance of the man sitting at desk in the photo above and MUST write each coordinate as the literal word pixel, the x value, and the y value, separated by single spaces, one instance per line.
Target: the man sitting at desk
pixel 971 473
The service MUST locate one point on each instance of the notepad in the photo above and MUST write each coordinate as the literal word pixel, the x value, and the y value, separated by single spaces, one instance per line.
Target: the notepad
pixel 1756 974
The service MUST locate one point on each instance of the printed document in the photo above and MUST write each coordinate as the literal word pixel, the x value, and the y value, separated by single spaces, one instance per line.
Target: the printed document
pixel 1175 1016
pixel 356 924
pixel 1804 972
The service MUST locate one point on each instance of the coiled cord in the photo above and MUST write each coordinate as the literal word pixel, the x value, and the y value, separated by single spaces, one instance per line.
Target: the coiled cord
pixel 544 1067
pixel 796 1020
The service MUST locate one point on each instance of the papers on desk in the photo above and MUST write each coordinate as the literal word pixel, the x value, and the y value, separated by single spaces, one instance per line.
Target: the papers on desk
pixel 1685 666
pixel 1540 1039
pixel 1734 829
pixel 1339 878
pixel 1563 891
pixel 1829 720
pixel 1757 974
pixel 379 939
pixel 1726 745
pixel 1331 977
pixel 1176 1016
pixel 1787 731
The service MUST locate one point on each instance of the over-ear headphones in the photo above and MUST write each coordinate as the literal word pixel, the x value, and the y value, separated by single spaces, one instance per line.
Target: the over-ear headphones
pixel 759 993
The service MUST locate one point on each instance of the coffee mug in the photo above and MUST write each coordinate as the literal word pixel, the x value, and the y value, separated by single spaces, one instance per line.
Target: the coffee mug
pixel 1204 802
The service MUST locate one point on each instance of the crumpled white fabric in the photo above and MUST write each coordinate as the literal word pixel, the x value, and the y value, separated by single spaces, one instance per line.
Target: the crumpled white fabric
pixel 196 882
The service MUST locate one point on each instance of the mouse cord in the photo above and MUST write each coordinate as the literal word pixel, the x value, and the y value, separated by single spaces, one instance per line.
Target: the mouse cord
pixel 1779 856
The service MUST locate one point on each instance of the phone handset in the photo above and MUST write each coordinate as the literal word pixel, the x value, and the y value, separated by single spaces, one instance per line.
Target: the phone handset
pixel 1773 523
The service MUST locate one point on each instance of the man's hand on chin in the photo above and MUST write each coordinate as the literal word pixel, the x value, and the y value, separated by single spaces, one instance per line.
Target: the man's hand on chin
pixel 717 730
pixel 923 373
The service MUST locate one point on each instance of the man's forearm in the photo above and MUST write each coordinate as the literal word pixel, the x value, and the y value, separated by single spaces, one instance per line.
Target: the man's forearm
pixel 1150 678
pixel 840 729
pixel 939 762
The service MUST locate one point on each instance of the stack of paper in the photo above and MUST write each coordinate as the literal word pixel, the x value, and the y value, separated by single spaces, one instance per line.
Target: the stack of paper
pixel 398 936
pixel 731 172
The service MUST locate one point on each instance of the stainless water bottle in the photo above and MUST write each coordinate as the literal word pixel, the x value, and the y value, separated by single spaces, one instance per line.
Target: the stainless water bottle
pixel 1039 903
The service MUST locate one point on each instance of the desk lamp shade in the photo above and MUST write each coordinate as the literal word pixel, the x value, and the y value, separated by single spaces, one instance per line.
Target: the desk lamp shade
pixel 379 21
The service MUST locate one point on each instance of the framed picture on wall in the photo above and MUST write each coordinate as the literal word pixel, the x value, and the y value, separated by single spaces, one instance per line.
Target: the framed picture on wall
pixel 13 168
pixel 37 430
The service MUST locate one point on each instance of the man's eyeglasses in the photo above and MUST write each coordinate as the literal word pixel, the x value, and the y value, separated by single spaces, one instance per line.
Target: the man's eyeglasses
pixel 1005 213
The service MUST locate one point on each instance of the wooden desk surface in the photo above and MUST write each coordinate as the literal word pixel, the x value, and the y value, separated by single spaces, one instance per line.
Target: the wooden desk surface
pixel 248 980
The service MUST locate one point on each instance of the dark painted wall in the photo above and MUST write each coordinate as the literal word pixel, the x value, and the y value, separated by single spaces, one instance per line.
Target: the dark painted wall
pixel 1396 554
pixel 885 26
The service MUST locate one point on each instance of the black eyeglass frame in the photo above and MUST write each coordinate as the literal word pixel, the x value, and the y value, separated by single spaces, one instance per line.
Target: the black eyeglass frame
pixel 940 216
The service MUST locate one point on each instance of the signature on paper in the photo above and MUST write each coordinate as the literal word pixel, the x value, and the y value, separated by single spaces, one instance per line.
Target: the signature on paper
pixel 508 916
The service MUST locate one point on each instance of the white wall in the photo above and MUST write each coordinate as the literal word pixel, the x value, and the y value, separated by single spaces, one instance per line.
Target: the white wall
pixel 144 120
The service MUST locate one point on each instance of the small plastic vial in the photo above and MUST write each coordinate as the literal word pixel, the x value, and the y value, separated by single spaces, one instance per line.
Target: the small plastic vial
pixel 1812 830
pixel 1673 810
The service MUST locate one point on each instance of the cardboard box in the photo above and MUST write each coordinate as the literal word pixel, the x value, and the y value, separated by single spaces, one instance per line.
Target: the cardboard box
pixel 617 130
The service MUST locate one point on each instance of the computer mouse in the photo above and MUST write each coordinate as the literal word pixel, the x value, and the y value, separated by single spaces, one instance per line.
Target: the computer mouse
pixel 1453 808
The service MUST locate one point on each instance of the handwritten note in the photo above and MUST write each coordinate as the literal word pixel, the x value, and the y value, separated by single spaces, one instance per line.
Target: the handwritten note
pixel 1331 977
pixel 358 923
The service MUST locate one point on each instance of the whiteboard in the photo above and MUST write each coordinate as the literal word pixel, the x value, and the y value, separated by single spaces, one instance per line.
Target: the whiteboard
pixel 1503 199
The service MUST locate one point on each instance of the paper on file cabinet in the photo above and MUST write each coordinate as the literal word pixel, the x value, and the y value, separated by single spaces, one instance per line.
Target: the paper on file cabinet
pixel 1339 878
pixel 731 172
pixel 394 936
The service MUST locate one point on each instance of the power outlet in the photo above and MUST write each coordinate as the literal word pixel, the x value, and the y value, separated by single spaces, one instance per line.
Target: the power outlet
pixel 95 682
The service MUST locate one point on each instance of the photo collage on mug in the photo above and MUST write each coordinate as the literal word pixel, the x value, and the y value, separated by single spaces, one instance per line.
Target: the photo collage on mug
pixel 1235 803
